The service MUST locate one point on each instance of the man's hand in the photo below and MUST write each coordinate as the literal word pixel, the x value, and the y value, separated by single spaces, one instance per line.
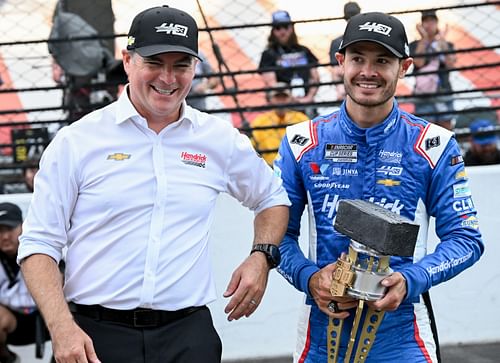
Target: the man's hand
pixel 247 286
pixel 396 292
pixel 70 344
pixel 319 287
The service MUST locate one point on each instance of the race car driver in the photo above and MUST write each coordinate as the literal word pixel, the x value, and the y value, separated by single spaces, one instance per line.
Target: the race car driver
pixel 372 150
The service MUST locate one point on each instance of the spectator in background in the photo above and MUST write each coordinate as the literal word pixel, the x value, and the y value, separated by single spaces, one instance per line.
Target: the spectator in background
pixel 285 52
pixel 24 185
pixel 483 144
pixel 433 40
pixel 270 139
pixel 201 85
pixel 76 64
pixel 29 173
pixel 350 9
pixel 18 312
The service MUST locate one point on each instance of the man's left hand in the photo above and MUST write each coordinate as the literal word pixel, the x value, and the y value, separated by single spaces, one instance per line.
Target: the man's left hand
pixel 247 286
pixel 396 292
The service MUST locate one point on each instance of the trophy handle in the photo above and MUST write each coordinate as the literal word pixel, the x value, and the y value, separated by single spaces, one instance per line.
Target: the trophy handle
pixel 372 319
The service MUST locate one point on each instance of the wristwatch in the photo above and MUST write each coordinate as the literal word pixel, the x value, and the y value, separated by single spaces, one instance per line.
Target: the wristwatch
pixel 271 251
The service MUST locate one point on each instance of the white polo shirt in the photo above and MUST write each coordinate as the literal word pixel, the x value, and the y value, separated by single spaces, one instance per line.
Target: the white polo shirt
pixel 134 207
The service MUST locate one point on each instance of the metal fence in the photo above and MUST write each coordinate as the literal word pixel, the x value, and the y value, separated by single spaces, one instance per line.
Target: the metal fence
pixel 233 36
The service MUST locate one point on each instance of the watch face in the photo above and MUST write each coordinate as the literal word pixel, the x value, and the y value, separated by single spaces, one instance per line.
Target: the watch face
pixel 271 251
pixel 275 255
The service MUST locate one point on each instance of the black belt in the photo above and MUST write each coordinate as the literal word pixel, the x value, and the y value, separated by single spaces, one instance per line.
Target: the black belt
pixel 137 318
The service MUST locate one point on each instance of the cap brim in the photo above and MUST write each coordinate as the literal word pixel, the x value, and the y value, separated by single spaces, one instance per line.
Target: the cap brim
pixel 485 141
pixel 389 48
pixel 10 223
pixel 150 50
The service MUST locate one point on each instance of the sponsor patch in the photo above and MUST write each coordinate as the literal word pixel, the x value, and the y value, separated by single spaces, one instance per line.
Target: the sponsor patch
pixel 461 190
pixel 331 185
pixel 342 153
pixel 319 171
pixel 457 159
pixel 118 156
pixel 174 29
pixel 392 206
pixel 463 206
pixel 388 182
pixel 376 28
pixel 446 265
pixel 199 160
pixel 390 170
pixel 470 221
pixel 344 171
pixel 393 157
pixel 461 174
pixel 331 202
pixel 315 168
pixel 432 142
pixel 299 140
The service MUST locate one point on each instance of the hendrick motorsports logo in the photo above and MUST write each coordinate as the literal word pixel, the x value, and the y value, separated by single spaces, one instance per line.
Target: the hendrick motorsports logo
pixel 393 157
pixel 174 29
pixel 199 160
pixel 331 204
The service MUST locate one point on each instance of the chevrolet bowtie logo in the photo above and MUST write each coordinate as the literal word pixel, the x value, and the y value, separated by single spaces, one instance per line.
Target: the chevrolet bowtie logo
pixel 118 156
pixel 388 182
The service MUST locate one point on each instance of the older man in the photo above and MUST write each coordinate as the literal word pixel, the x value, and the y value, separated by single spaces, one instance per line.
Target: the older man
pixel 130 191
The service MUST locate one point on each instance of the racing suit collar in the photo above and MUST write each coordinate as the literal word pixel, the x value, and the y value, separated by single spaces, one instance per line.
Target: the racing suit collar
pixel 372 134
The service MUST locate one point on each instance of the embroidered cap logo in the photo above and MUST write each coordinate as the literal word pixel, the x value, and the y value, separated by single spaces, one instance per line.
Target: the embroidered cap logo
pixel 376 28
pixel 174 29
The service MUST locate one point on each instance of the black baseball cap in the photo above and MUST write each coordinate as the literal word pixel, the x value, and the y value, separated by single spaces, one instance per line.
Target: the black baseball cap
pixel 10 215
pixel 429 14
pixel 163 29
pixel 380 28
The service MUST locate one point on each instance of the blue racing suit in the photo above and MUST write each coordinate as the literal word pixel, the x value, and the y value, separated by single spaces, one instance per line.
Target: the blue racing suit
pixel 404 164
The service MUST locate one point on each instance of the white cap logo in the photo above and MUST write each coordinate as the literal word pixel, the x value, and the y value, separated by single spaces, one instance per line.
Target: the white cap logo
pixel 376 28
pixel 174 29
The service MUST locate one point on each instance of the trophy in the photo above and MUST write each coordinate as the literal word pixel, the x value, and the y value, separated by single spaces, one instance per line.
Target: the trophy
pixel 376 234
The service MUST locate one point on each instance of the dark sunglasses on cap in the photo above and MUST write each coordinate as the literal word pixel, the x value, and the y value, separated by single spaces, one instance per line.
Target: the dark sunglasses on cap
pixel 282 26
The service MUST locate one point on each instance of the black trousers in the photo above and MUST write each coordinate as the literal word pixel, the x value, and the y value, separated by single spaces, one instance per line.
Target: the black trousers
pixel 192 338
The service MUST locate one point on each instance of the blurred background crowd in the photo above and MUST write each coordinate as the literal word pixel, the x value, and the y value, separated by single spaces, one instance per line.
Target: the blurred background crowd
pixel 267 64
